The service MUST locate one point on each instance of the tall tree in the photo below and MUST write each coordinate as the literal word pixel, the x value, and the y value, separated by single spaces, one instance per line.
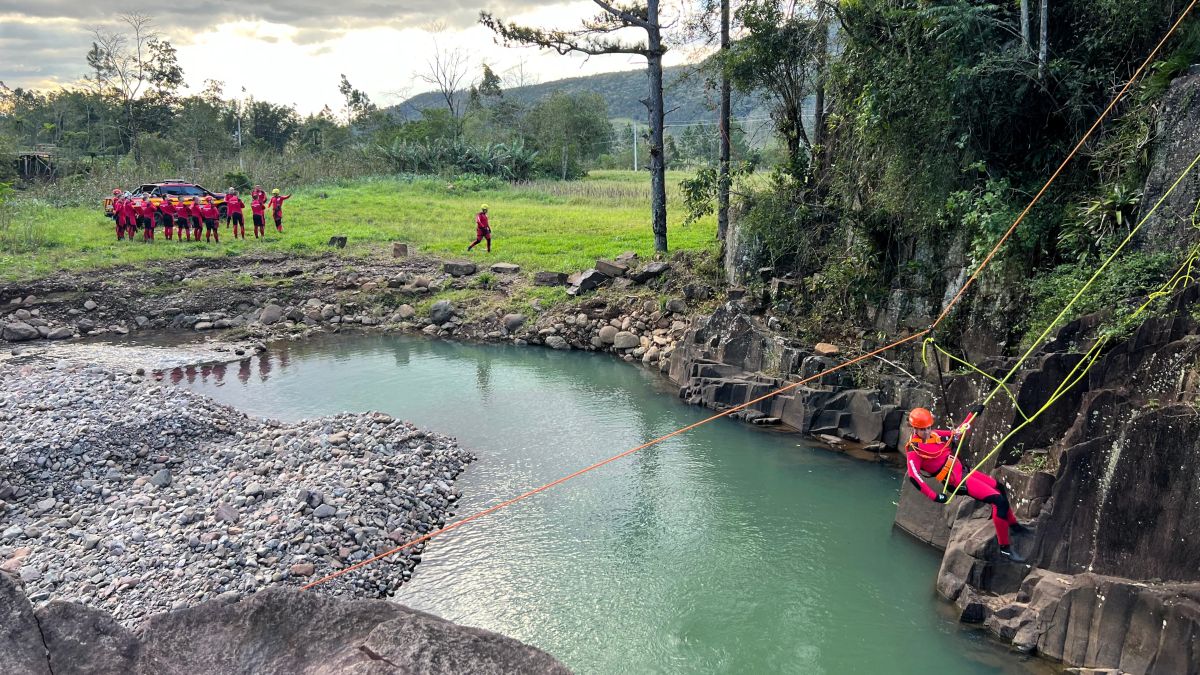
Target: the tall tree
pixel 1044 41
pixel 598 36
pixel 723 124
pixel 358 104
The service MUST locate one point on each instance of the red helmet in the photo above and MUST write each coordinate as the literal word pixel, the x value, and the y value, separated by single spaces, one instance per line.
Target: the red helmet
pixel 920 418
pixel 116 191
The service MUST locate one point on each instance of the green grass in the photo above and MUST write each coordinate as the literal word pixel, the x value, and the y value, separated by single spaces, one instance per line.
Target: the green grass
pixel 542 225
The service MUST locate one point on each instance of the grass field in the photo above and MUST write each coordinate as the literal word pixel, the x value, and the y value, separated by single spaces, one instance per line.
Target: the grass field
pixel 542 225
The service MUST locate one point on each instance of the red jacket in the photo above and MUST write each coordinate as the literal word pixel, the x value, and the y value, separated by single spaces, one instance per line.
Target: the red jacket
pixel 193 209
pixel 167 208
pixel 257 205
pixel 276 203
pixel 233 205
pixel 209 212
pixel 146 209
pixel 481 224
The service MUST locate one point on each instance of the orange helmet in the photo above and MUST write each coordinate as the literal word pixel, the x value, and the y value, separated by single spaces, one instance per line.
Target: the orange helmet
pixel 920 418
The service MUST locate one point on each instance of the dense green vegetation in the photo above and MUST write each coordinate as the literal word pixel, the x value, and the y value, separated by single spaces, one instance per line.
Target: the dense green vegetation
pixel 941 124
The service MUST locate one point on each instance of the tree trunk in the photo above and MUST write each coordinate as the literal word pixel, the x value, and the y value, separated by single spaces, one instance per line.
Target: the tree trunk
pixel 818 136
pixel 723 176
pixel 1026 38
pixel 1044 47
pixel 654 106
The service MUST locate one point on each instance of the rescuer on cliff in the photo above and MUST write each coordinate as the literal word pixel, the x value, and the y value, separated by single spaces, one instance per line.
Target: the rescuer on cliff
pixel 931 451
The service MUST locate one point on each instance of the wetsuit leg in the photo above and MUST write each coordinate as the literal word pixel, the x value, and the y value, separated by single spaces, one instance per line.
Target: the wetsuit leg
pixel 981 487
pixel 476 242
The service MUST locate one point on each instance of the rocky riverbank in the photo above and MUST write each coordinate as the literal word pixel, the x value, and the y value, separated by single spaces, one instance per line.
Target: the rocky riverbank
pixel 136 497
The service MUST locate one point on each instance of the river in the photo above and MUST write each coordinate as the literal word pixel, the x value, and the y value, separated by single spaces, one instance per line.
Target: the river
pixel 728 549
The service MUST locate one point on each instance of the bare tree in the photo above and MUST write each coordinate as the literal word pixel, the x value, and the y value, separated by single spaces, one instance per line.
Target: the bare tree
pixel 1026 38
pixel 128 63
pixel 597 36
pixel 447 69
pixel 519 75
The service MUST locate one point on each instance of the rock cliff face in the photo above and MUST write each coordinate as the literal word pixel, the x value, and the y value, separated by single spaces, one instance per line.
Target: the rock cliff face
pixel 730 358
pixel 1113 573
pixel 274 631
pixel 1176 145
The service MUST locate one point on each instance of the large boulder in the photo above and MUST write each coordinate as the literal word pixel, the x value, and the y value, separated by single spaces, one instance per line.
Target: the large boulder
pixel 270 314
pixel 608 334
pixel 19 331
pixel 441 312
pixel 588 281
pixel 505 268
pixel 625 340
pixel 274 631
pixel 513 322
pixel 22 651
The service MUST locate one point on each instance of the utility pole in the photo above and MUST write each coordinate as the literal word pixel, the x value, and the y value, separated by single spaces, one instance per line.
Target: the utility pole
pixel 633 127
pixel 723 178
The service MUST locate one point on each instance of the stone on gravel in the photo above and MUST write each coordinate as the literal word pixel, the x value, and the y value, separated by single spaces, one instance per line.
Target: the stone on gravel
pixel 677 306
pixel 557 342
pixel 324 511
pixel 549 279
pixel 513 322
pixel 90 305
pixel 626 340
pixel 405 312
pixel 61 333
pixel 161 478
pixel 505 268
pixel 303 569
pixel 272 313
pixel 459 268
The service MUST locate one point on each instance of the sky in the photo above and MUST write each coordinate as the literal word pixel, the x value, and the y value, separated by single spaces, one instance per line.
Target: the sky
pixel 294 52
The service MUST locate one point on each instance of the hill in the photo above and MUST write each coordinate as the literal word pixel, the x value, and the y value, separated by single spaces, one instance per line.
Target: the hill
pixel 685 94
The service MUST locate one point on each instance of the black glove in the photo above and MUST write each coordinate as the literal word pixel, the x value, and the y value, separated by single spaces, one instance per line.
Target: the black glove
pixel 941 498
pixel 977 409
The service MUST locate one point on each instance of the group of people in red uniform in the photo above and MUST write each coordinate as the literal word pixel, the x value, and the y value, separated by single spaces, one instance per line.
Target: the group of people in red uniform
pixel 184 218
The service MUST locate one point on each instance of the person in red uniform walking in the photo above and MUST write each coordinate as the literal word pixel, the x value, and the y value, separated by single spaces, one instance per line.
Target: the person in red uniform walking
pixel 167 209
pixel 212 218
pixel 932 451
pixel 483 230
pixel 194 212
pixel 276 205
pixel 233 212
pixel 258 209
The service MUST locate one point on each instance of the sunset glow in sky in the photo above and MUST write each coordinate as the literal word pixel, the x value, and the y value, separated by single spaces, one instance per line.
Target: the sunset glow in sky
pixel 294 52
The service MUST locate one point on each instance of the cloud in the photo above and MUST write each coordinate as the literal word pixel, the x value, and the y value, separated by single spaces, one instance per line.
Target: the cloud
pixel 40 54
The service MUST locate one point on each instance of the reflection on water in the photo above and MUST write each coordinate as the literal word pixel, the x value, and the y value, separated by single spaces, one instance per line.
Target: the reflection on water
pixel 726 549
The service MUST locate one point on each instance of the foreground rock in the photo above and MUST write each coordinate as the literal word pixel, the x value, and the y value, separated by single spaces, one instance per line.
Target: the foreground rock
pixel 137 497
pixel 274 631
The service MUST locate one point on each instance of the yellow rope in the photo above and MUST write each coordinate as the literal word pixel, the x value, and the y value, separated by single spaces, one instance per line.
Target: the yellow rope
pixel 1003 382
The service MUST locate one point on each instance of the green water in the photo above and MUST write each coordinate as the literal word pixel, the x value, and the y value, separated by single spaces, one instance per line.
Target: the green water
pixel 725 550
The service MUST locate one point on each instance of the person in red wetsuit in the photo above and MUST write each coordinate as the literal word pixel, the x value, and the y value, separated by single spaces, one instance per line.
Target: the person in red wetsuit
pixel 932 451
pixel 195 217
pixel 167 209
pixel 233 211
pixel 146 213
pixel 483 229
pixel 258 192
pixel 118 214
pixel 212 218
pixel 131 215
pixel 258 209
pixel 276 205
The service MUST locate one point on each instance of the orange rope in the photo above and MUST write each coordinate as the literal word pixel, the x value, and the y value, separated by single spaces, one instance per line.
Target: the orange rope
pixel 1062 166
pixel 597 465
pixel 954 301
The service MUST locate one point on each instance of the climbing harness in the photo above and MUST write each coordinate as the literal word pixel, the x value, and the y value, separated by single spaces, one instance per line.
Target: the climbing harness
pixel 888 347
